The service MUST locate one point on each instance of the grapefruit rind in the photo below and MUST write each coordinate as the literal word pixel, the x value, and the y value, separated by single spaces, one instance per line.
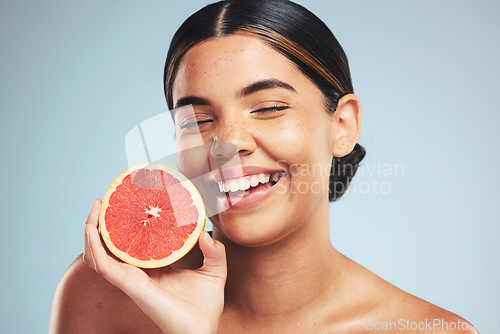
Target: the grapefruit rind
pixel 175 255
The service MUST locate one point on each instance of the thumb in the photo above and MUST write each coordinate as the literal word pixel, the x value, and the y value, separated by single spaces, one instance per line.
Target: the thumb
pixel 214 252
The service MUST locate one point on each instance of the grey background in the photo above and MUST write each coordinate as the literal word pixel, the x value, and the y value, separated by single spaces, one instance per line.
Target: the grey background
pixel 77 75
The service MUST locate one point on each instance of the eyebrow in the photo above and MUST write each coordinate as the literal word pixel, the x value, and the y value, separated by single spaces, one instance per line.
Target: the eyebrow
pixel 194 100
pixel 263 85
pixel 248 90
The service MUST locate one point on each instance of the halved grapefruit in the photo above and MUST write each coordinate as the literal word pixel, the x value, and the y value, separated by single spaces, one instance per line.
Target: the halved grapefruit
pixel 151 216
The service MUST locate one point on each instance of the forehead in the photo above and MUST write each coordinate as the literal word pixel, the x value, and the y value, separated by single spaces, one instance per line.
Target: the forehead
pixel 221 66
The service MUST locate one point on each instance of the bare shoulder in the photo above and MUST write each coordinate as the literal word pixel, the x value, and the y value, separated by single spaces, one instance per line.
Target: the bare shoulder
pixel 392 310
pixel 85 302
pixel 415 315
pixel 406 313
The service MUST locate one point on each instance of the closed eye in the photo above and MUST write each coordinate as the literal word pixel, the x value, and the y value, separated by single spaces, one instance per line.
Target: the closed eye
pixel 193 124
pixel 271 109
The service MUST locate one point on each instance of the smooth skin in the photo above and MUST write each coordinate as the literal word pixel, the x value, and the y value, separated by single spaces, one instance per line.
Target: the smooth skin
pixel 282 274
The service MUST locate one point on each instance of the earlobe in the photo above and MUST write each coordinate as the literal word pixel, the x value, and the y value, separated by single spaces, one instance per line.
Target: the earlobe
pixel 348 125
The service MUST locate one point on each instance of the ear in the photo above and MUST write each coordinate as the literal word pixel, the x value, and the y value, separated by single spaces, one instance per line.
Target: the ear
pixel 347 118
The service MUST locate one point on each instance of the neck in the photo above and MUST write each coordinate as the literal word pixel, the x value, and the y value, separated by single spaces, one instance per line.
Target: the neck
pixel 297 273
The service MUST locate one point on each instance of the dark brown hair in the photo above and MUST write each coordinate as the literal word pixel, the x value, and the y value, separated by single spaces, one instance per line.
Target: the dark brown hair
pixel 291 30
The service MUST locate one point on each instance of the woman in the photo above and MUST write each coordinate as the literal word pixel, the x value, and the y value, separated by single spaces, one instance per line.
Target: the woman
pixel 269 78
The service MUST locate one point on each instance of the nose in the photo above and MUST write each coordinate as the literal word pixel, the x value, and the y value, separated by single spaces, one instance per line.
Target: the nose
pixel 231 137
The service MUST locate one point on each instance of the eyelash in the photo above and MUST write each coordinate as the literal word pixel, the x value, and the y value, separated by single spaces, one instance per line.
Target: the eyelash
pixel 191 124
pixel 275 108
pixel 271 109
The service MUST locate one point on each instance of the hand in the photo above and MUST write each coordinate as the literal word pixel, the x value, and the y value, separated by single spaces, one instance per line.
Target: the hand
pixel 177 300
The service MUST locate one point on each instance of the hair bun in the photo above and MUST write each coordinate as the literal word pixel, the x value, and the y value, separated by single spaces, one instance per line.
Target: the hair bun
pixel 343 170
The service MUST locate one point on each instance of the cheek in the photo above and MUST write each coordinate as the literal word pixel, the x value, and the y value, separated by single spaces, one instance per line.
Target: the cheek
pixel 298 140
pixel 192 160
pixel 301 146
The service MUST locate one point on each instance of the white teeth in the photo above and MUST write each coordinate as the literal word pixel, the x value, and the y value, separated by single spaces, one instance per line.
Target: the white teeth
pixel 254 180
pixel 244 184
pixel 233 186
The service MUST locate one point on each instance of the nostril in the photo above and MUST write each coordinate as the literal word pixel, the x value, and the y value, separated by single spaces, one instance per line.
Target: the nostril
pixel 220 150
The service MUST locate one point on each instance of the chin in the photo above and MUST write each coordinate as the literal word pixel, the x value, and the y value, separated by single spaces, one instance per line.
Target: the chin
pixel 248 232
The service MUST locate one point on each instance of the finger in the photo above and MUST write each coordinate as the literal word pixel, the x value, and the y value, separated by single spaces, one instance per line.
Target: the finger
pixel 103 264
pixel 94 213
pixel 214 252
pixel 96 250
pixel 92 221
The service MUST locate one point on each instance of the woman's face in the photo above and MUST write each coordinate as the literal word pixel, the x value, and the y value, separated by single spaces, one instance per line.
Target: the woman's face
pixel 247 94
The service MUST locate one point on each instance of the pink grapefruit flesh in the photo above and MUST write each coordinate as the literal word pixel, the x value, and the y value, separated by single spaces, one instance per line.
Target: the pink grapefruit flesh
pixel 151 216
